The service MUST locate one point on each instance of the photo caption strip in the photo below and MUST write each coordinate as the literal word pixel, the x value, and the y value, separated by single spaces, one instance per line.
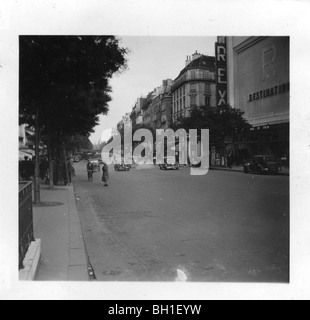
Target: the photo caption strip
pixel 155 309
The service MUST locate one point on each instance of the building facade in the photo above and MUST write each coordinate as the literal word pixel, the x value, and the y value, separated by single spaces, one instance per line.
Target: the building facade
pixel 146 109
pixel 195 86
pixel 162 105
pixel 26 139
pixel 136 114
pixel 166 105
pixel 259 84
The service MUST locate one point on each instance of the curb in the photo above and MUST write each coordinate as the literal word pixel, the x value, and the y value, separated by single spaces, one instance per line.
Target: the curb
pixel 241 171
pixel 226 169
pixel 31 261
pixel 78 262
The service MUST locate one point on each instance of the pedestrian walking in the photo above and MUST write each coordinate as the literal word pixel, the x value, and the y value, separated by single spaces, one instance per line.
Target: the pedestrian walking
pixel 105 174
pixel 90 171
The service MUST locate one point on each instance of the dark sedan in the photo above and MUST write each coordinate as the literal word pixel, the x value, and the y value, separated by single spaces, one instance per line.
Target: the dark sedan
pixel 262 164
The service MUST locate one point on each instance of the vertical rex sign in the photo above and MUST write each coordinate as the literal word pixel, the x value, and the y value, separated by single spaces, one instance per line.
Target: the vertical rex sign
pixel 221 72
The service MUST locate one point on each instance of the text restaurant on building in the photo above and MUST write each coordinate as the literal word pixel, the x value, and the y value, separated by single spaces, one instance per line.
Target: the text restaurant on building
pixel 255 79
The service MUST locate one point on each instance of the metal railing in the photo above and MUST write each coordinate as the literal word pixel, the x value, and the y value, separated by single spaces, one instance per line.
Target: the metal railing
pixel 187 77
pixel 26 234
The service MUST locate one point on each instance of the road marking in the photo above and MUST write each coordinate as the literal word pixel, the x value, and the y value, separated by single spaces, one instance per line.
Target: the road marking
pixel 181 276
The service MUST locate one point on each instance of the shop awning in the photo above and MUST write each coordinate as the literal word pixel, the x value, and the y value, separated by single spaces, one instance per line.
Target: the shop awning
pixel 23 154
pixel 28 151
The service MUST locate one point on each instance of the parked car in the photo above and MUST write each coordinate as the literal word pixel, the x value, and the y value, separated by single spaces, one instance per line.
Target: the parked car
pixel 169 164
pixel 262 164
pixel 121 167
pixel 76 159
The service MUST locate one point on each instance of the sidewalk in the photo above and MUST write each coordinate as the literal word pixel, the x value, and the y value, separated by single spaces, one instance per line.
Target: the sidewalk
pixel 57 224
pixel 284 172
pixel 233 168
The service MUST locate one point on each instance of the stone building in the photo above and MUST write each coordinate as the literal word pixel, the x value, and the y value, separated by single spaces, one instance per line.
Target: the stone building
pixel 161 106
pixel 194 86
pixel 136 114
pixel 146 109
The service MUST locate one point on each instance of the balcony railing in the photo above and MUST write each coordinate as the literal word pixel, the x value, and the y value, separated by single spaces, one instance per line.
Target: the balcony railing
pixel 26 235
pixel 197 77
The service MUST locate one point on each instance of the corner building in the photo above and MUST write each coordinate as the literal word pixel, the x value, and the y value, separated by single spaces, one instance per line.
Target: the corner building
pixel 195 86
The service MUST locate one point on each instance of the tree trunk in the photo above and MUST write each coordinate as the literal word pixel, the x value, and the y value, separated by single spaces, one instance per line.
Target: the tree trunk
pixel 37 162
pixel 66 166
pixel 50 157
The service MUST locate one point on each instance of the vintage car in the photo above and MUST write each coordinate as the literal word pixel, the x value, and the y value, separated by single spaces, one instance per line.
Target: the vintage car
pixel 169 164
pixel 121 167
pixel 262 164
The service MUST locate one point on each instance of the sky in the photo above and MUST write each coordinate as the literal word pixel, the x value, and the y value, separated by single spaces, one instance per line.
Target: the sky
pixel 150 60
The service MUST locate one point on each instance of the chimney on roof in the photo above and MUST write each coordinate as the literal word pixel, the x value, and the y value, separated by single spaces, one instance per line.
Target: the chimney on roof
pixel 188 60
pixel 196 55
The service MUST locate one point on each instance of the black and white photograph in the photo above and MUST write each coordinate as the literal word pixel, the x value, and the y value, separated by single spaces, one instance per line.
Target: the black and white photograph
pixel 155 158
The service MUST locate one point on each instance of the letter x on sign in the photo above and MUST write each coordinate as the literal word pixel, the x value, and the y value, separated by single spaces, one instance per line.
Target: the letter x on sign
pixel 222 97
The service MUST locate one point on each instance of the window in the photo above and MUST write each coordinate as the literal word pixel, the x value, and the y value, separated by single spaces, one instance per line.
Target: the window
pixel 193 101
pixel 193 87
pixel 193 74
pixel 207 101
pixel 207 88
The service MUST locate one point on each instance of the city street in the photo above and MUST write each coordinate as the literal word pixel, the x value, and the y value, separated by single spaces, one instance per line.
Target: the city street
pixel 153 225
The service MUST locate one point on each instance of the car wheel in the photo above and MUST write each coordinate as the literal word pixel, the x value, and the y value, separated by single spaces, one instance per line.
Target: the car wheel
pixel 246 170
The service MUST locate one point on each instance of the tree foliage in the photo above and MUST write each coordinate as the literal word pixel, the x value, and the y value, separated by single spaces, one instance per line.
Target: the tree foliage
pixel 224 122
pixel 77 143
pixel 67 78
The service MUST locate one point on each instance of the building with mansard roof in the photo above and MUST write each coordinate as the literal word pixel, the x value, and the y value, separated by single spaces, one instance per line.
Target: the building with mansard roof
pixel 194 86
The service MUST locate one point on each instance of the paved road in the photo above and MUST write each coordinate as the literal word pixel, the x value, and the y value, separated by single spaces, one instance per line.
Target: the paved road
pixel 152 225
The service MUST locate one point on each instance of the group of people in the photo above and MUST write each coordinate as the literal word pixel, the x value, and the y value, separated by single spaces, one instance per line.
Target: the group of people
pixel 62 171
pixel 105 173
pixel 27 171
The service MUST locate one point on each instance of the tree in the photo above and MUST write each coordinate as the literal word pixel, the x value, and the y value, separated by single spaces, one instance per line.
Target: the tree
pixel 223 122
pixel 77 143
pixel 64 82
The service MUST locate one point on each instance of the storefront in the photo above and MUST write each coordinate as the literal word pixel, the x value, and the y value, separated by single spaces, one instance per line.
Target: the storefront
pixel 271 140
